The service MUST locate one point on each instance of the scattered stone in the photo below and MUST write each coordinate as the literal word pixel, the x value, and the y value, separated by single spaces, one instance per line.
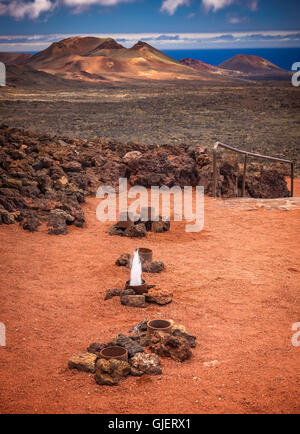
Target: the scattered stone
pixel 159 296
pixel 136 231
pixel 213 363
pixel 57 226
pixel 160 226
pixel 131 346
pixel 139 333
pixel 110 372
pixel 32 223
pixel 134 300
pixel 114 292
pixel 96 347
pixel 128 291
pixel 115 230
pixel 61 214
pixel 131 156
pixel 142 363
pixel 124 260
pixel 72 166
pixel 167 345
pixel 189 338
pixel 118 292
pixel 153 267
pixel 140 327
pixel 177 326
pixel 142 339
pixel 83 362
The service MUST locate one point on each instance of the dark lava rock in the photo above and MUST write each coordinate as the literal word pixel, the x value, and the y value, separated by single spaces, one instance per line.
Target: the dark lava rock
pixel 160 226
pixel 139 333
pixel 31 224
pixel 167 345
pixel 96 347
pixel 57 226
pixel 167 165
pixel 134 300
pixel 128 291
pixel 110 372
pixel 153 267
pixel 114 292
pixel 72 166
pixel 38 170
pixel 116 230
pixel 268 184
pixel 142 339
pixel 189 338
pixel 118 292
pixel 140 327
pixel 124 260
pixel 136 231
pixel 131 346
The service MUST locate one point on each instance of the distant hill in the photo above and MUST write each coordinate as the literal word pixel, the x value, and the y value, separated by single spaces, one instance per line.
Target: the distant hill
pixel 254 66
pixel 205 67
pixel 25 75
pixel 96 59
pixel 14 58
pixel 104 60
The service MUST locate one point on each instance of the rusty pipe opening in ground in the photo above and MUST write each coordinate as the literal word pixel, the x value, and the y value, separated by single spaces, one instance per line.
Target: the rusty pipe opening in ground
pixel 114 352
pixel 146 255
pixel 138 289
pixel 161 325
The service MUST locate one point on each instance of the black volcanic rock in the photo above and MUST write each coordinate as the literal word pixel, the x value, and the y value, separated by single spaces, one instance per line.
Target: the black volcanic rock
pixel 45 179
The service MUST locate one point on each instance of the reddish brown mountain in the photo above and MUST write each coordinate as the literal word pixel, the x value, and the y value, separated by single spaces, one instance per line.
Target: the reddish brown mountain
pixel 241 66
pixel 250 64
pixel 14 58
pixel 89 58
pixel 199 65
pixel 205 67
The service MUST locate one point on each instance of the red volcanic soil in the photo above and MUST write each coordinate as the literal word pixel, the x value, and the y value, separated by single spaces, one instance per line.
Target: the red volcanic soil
pixel 236 287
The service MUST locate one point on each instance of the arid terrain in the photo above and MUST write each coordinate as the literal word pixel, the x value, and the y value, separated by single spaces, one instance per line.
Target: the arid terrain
pixel 235 285
pixel 261 117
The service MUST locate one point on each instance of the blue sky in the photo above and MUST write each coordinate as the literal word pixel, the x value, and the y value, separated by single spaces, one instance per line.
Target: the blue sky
pixel 31 25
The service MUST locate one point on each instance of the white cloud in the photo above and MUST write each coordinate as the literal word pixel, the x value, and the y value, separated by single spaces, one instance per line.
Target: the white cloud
pixel 79 5
pixel 249 39
pixel 20 9
pixel 216 4
pixel 219 4
pixel 170 6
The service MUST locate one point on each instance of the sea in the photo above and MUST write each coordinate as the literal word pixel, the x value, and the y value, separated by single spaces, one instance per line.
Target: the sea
pixel 282 57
